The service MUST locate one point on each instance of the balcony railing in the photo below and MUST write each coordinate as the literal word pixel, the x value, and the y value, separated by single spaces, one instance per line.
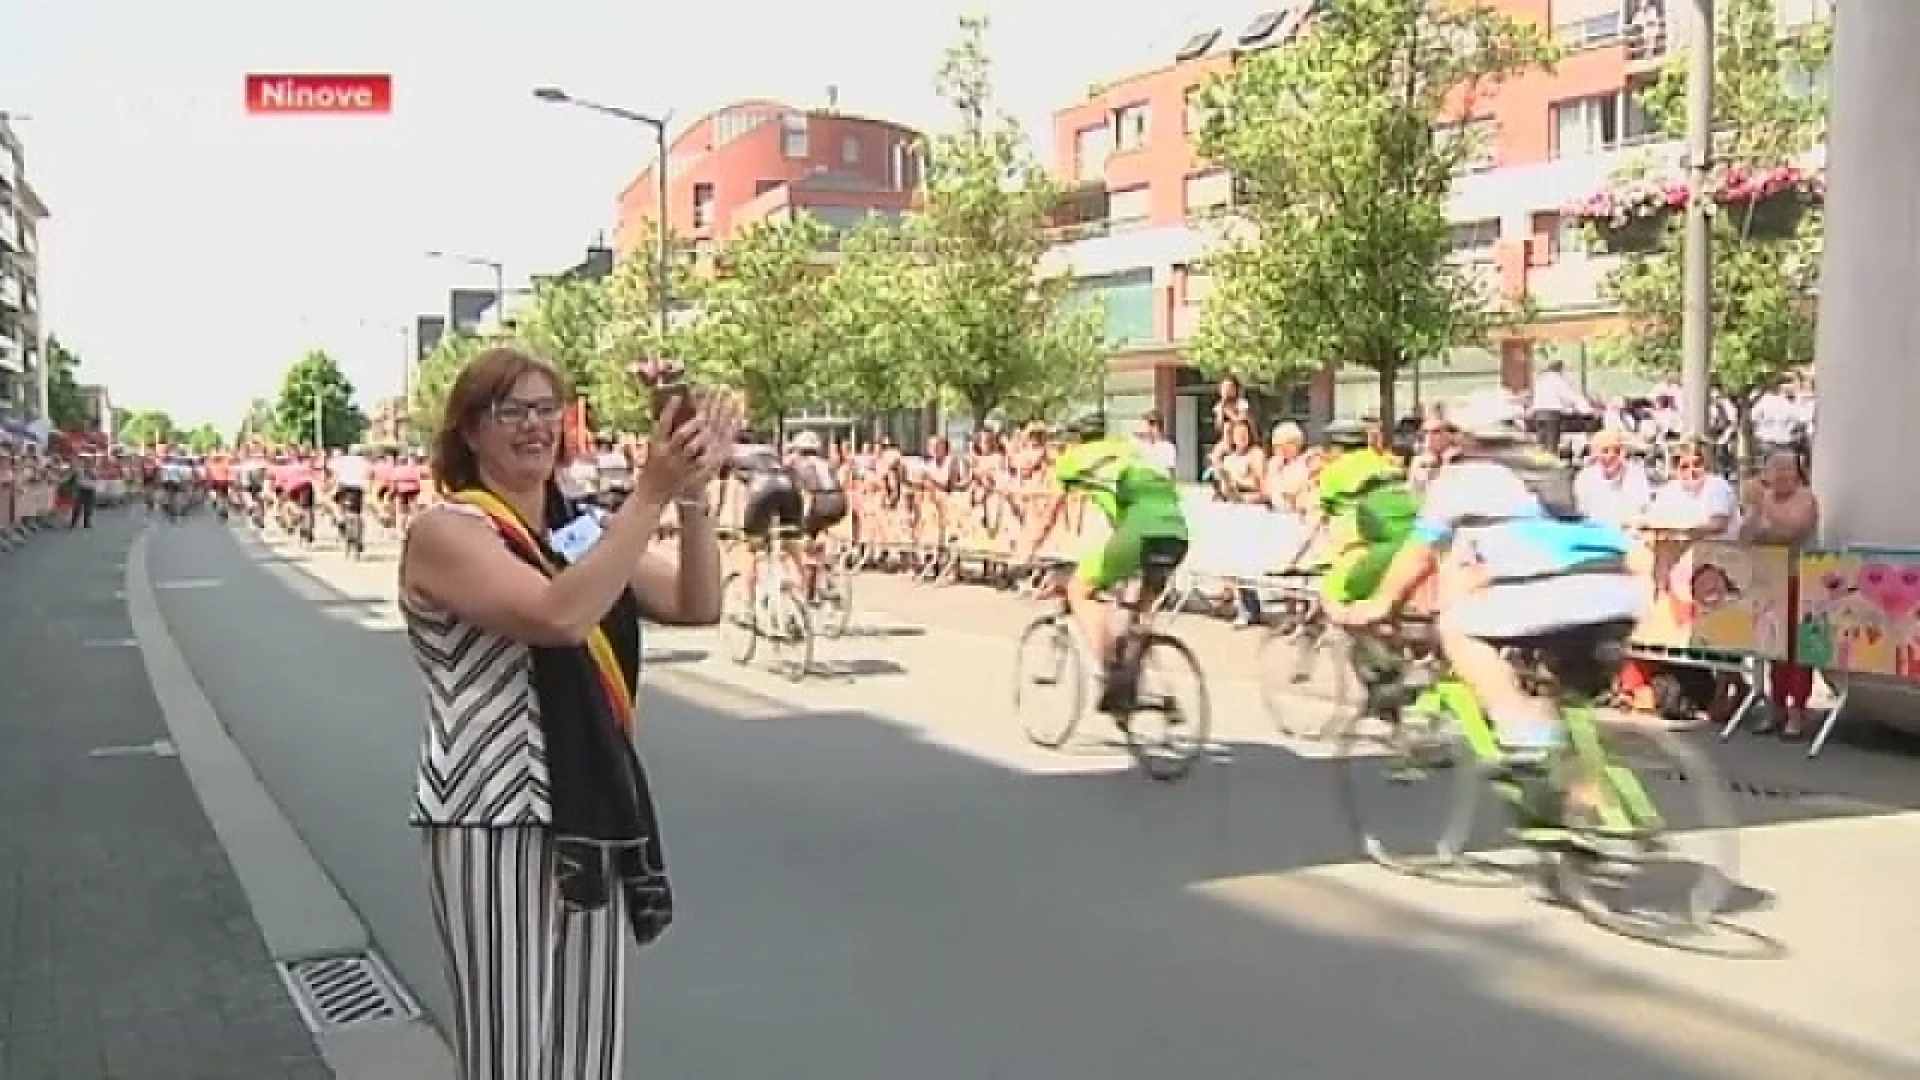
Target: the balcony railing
pixel 1589 33
pixel 1646 44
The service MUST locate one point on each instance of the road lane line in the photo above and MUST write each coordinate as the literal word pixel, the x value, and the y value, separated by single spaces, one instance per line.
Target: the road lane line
pixel 300 911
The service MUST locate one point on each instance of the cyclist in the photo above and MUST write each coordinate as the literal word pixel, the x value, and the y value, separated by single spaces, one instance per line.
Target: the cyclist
pixel 406 481
pixel 176 476
pixel 1362 498
pixel 297 492
pixel 352 475
pixel 825 503
pixel 253 480
pixel 1536 566
pixel 220 481
pixel 771 498
pixel 1142 505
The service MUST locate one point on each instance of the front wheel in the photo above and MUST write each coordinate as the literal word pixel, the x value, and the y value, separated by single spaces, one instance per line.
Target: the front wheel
pixel 1049 682
pixel 789 629
pixel 1402 777
pixel 1307 682
pixel 1172 716
pixel 834 586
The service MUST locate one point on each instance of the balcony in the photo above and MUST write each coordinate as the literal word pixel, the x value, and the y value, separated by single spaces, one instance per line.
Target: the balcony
pixel 10 295
pixel 1186 321
pixel 1572 283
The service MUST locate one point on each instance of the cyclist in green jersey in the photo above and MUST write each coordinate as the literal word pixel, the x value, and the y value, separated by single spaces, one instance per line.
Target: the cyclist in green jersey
pixel 1142 505
pixel 1364 501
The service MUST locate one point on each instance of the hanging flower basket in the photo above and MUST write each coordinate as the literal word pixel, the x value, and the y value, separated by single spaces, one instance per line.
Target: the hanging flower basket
pixel 1632 218
pixel 1768 204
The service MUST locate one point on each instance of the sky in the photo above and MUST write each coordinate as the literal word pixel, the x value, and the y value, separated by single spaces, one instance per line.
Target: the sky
pixel 195 251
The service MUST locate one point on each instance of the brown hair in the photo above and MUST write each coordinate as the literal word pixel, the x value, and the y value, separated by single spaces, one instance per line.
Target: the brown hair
pixel 484 382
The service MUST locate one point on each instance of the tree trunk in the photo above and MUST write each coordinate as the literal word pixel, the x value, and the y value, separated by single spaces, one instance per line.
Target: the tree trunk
pixel 1388 374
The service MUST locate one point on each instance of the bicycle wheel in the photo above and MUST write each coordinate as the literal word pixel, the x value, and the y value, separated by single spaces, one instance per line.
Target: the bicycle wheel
pixel 790 632
pixel 1398 778
pixel 1306 679
pixel 1626 870
pixel 1167 730
pixel 1049 682
pixel 739 622
pixel 836 599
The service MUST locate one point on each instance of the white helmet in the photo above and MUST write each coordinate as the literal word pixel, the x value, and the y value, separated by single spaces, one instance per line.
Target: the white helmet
pixel 1488 416
pixel 806 442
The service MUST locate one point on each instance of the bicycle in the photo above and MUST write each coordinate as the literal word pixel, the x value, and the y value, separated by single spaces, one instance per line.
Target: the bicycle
pixel 775 611
pixel 1303 654
pixel 1587 855
pixel 353 533
pixel 1063 661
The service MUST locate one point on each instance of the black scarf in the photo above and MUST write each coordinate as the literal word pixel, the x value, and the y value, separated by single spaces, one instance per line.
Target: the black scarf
pixel 606 832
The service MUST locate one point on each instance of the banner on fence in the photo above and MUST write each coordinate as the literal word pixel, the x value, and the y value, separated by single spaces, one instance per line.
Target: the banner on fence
pixel 1742 599
pixel 1666 559
pixel 1860 613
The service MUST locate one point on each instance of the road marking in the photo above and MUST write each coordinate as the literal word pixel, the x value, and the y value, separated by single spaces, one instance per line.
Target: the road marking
pixel 187 583
pixel 161 748
pixel 110 643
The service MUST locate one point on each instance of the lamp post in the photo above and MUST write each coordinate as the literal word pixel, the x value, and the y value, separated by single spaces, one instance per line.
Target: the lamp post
pixel 658 125
pixel 499 277
pixel 1696 288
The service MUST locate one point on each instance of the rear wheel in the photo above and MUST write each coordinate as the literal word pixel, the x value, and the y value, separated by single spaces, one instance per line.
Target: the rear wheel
pixel 835 607
pixel 789 629
pixel 1049 682
pixel 738 620
pixel 1658 867
pixel 1412 789
pixel 1167 729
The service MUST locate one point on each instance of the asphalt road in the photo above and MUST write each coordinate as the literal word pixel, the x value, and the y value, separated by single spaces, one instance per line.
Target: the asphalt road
pixel 879 879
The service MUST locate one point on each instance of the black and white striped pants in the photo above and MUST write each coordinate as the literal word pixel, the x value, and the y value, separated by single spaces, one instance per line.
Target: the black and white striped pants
pixel 538 991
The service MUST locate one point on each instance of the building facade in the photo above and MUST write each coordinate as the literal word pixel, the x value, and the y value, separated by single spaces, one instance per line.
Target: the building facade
pixel 759 160
pixel 1146 207
pixel 21 335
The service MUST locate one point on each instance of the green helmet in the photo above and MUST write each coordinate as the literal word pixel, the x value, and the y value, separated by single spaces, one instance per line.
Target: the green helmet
pixel 1347 435
pixel 1088 426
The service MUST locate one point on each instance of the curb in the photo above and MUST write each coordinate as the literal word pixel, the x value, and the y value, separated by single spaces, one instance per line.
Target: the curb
pixel 300 912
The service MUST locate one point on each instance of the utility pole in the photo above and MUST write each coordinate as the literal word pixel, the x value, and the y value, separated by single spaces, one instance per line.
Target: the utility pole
pixel 1696 291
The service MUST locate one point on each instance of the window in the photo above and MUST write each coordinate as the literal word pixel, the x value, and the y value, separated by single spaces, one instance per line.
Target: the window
pixel 1199 287
pixel 761 187
pixel 1570 238
pixel 1592 125
pixel 1090 149
pixel 1130 127
pixel 793 135
pixel 1131 207
pixel 702 206
pixel 1804 85
pixel 1197 110
pixel 850 149
pixel 703 252
pixel 1477 138
pixel 1587 24
pixel 1209 192
pixel 1474 240
pixel 1795 14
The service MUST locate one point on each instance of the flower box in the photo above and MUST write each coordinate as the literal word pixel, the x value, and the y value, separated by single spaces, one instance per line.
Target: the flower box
pixel 1768 204
pixel 1633 236
pixel 1632 218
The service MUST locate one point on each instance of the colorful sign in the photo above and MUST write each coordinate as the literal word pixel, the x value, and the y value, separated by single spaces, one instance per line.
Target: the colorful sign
pixel 1860 613
pixel 1742 599
pixel 1666 559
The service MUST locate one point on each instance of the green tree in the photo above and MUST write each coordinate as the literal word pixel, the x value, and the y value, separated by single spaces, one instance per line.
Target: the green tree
pixel 567 326
pixel 149 427
pixel 1768 113
pixel 988 326
pixel 1344 145
pixel 763 326
pixel 875 306
pixel 615 401
pixel 66 405
pixel 204 439
pixel 315 405
pixel 433 379
pixel 258 423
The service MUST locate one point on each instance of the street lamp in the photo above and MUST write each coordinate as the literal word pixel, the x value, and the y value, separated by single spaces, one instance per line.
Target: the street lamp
pixel 1696 288
pixel 662 266
pixel 499 277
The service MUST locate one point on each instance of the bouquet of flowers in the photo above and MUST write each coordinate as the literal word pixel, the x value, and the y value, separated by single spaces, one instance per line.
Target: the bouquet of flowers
pixel 1743 185
pixel 1633 201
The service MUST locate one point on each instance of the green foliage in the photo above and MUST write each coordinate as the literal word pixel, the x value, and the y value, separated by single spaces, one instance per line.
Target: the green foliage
pixel 877 319
pixel 763 327
pixel 632 331
pixel 1764 313
pixel 567 327
pixel 991 329
pixel 204 439
pixel 1342 252
pixel 66 405
pixel 147 428
pixel 315 405
pixel 433 378
pixel 258 423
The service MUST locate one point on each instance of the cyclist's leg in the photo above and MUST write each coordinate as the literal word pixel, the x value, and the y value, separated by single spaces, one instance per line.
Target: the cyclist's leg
pixel 1099 570
pixel 1355 575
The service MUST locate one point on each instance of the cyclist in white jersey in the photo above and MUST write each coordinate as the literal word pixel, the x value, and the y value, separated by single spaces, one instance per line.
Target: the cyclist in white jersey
pixel 352 474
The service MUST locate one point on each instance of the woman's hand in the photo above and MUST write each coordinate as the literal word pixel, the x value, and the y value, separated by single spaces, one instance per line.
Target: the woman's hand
pixel 718 418
pixel 676 452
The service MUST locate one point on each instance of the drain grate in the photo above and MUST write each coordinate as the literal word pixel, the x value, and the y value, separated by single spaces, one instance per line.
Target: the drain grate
pixel 336 992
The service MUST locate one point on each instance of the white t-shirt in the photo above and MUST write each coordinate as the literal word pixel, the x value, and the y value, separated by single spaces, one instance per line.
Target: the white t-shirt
pixel 1674 507
pixel 351 470
pixel 1161 453
pixel 1777 419
pixel 1615 501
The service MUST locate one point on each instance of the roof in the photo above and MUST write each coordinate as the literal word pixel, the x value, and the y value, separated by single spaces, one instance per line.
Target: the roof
pixel 1211 28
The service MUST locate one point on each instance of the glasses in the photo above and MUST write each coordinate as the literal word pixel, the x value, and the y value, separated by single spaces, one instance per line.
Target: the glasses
pixel 1691 465
pixel 513 412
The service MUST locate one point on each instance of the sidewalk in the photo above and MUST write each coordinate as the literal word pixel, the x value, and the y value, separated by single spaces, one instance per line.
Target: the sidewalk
pixel 128 946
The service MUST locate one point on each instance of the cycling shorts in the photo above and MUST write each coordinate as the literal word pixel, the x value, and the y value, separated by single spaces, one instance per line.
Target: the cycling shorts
pixel 171 485
pixel 1154 541
pixel 1356 573
pixel 829 508
pixel 771 502
pixel 352 500
pixel 301 496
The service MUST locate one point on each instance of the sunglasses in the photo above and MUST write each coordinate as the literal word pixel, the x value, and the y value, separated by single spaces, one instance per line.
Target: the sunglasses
pixel 1694 465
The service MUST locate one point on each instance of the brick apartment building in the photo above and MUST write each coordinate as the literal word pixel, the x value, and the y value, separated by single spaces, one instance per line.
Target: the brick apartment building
pixel 760 160
pixel 1145 205
pixel 21 212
